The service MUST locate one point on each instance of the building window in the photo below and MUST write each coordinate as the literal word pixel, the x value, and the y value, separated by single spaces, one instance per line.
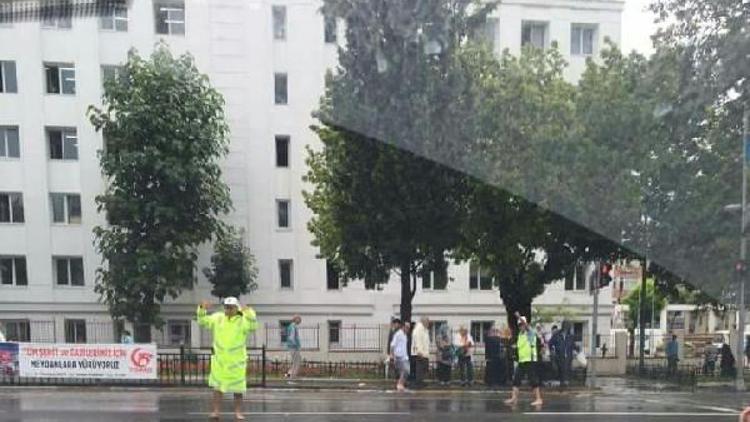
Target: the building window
pixel 333 276
pixel 75 331
pixel 8 82
pixel 170 17
pixel 435 327
pixel 479 329
pixel 179 332
pixel 57 14
pixel 334 332
pixel 68 271
pixel 577 279
pixel 115 18
pixel 63 143
pixel 534 34
pixel 6 14
pixel 285 273
pixel 111 73
pixel 16 330
pixel 61 78
pixel 582 38
pixel 330 29
pixel 66 208
pixel 279 22
pixel 282 214
pixel 282 151
pixel 281 93
pixel 435 280
pixel 13 271
pixel 491 27
pixel 9 144
pixel 11 207
pixel 479 278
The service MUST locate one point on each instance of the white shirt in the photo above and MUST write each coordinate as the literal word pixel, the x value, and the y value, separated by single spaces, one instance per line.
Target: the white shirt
pixel 469 341
pixel 398 345
pixel 2 337
pixel 420 341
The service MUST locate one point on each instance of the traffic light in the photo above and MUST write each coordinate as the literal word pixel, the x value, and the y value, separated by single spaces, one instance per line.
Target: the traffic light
pixel 605 274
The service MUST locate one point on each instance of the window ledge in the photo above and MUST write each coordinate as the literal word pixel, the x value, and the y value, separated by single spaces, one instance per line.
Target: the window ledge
pixel 67 286
pixel 13 286
pixel 284 229
pixel 10 223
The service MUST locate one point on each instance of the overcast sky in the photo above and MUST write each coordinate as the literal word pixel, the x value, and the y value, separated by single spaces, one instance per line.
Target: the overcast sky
pixel 637 26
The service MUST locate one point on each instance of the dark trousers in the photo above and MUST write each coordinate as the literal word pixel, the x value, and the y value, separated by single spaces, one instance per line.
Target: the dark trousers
pixel 421 366
pixel 466 369
pixel 496 372
pixel 563 369
pixel 672 365
pixel 443 372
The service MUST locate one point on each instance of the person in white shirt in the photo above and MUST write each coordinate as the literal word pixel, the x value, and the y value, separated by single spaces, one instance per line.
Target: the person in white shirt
pixel 399 354
pixel 420 349
pixel 2 336
pixel 465 347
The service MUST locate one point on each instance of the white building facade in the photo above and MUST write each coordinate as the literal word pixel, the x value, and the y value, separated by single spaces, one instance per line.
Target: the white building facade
pixel 268 58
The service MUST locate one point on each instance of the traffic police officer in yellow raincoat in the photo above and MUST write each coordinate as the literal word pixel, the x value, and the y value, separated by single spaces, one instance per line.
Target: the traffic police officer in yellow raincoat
pixel 229 359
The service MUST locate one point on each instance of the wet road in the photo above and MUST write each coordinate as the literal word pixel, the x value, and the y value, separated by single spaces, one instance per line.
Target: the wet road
pixel 121 405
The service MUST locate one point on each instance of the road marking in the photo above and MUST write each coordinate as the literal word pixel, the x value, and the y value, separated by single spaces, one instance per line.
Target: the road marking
pixel 654 414
pixel 698 406
pixel 310 413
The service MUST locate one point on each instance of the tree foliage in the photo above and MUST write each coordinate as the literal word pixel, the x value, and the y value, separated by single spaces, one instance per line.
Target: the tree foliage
pixel 401 89
pixel 232 271
pixel 653 301
pixel 164 131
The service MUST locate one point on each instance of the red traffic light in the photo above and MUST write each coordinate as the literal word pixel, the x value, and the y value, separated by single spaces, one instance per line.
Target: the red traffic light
pixel 606 268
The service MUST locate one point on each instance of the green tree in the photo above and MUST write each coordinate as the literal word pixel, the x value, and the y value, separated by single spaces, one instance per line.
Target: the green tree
pixel 404 89
pixel 511 225
pixel 653 301
pixel 165 132
pixel 232 271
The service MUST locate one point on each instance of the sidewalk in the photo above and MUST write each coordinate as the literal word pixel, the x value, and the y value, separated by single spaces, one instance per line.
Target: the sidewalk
pixel 385 385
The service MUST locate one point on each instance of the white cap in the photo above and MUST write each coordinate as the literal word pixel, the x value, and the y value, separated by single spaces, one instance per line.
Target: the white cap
pixel 231 301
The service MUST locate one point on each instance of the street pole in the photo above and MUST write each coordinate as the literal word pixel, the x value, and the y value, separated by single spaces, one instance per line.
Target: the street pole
pixel 595 280
pixel 642 321
pixel 740 379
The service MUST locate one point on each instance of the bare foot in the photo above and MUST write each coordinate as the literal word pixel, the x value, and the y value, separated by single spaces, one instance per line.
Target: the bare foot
pixel 537 402
pixel 239 417
pixel 213 417
pixel 511 401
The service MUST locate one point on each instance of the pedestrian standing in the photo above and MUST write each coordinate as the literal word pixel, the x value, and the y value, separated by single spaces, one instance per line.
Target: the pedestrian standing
pixel 526 343
pixel 2 335
pixel 230 330
pixel 493 354
pixel 294 345
pixel 672 356
pixel 465 347
pixel 420 345
pixel 444 355
pixel 727 361
pixel 563 349
pixel 400 354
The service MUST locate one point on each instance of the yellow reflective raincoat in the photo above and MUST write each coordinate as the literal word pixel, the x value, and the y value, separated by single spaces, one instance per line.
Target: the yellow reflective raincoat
pixel 229 359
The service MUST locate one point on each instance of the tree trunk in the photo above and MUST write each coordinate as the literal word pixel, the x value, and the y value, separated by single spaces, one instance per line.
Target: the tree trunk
pixel 515 300
pixel 406 293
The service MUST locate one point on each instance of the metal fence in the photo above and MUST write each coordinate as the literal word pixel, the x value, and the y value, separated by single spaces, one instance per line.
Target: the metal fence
pixel 681 374
pixel 187 367
pixel 356 339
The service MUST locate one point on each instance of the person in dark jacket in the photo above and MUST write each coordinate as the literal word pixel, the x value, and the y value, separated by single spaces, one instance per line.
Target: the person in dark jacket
pixel 494 354
pixel 563 349
pixel 727 361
